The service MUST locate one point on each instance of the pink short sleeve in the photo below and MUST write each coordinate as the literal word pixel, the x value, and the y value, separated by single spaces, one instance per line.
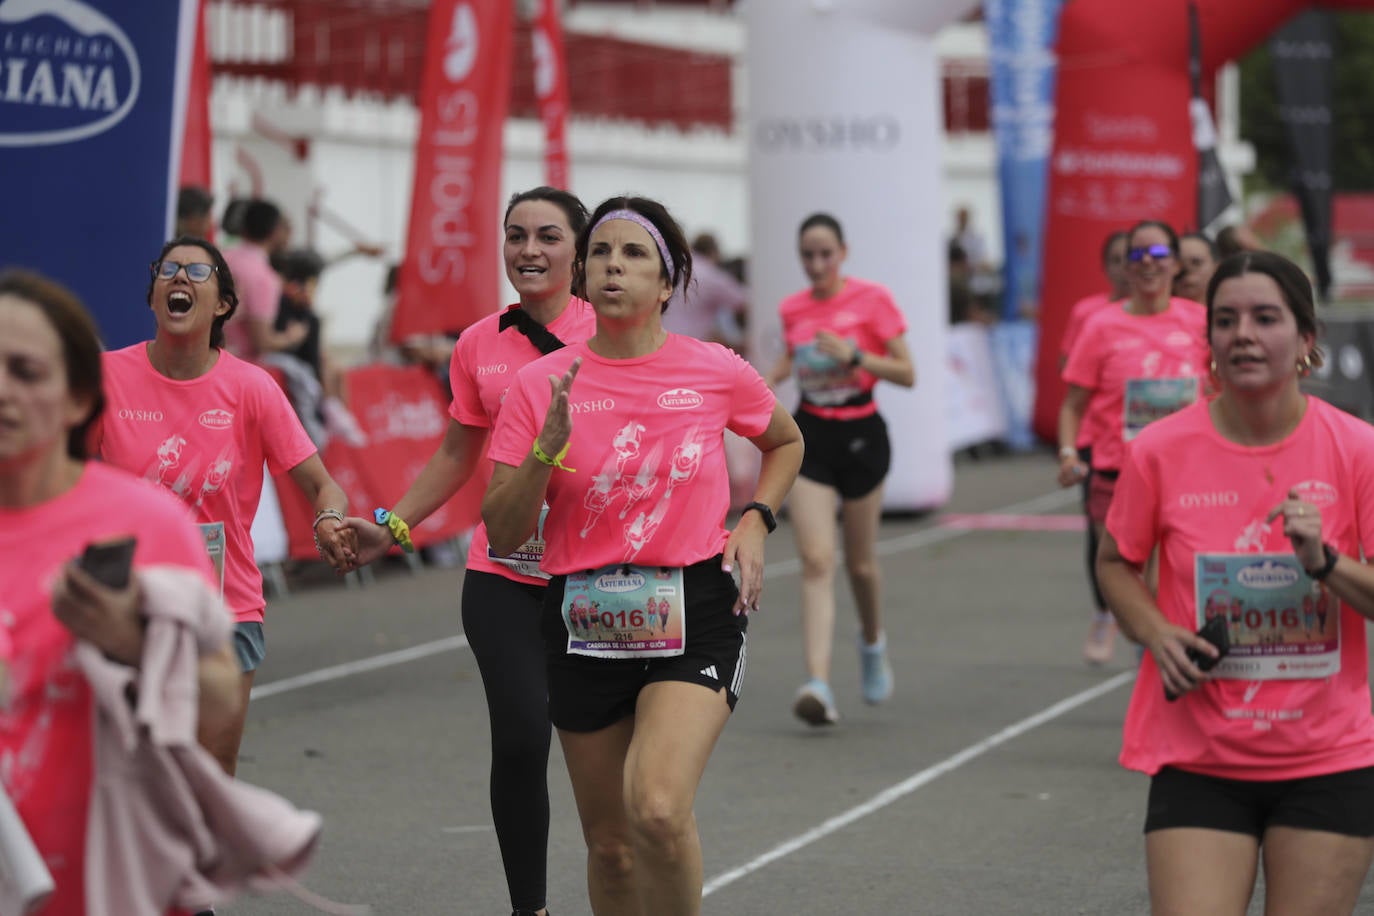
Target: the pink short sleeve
pixel 285 442
pixel 751 408
pixel 515 427
pixel 1133 519
pixel 1084 367
pixel 466 406
pixel 888 320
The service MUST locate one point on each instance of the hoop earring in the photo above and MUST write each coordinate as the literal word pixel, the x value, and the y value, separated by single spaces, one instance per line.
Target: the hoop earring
pixel 1213 367
pixel 1305 365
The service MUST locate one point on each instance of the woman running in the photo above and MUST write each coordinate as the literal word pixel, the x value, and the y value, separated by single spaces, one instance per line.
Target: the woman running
pixel 188 415
pixel 502 593
pixel 639 712
pixel 1132 363
pixel 843 336
pixel 1266 492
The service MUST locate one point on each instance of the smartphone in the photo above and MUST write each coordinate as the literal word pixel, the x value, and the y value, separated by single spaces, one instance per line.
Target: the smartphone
pixel 109 562
pixel 1214 631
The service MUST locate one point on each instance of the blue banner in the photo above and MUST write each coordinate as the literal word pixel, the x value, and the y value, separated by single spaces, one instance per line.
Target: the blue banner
pixel 91 99
pixel 1022 34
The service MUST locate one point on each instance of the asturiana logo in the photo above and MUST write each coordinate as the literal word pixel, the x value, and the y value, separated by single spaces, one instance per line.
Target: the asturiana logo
pixel 217 419
pixel 1317 492
pixel 1267 575
pixel 67 72
pixel 680 399
pixel 618 582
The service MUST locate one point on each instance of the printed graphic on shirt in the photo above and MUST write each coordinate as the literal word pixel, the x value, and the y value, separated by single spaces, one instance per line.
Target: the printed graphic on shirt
pixel 1282 624
pixel 631 478
pixel 625 611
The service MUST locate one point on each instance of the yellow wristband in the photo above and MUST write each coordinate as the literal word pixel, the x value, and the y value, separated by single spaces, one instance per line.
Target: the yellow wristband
pixel 400 531
pixel 557 460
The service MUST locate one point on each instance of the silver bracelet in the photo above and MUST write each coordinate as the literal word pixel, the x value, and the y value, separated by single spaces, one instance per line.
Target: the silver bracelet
pixel 326 513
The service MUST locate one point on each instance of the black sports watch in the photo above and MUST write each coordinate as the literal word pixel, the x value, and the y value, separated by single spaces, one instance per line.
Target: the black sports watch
pixel 765 512
pixel 1331 557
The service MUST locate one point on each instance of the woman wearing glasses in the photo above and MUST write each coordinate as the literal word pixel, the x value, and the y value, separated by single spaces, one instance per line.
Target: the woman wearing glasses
pixel 1130 365
pixel 186 414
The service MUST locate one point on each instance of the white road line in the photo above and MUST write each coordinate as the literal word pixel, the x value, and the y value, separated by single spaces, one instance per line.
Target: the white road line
pixel 348 669
pixel 914 541
pixel 916 781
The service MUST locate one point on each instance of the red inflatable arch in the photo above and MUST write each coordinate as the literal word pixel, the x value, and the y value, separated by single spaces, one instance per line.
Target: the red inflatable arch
pixel 1123 147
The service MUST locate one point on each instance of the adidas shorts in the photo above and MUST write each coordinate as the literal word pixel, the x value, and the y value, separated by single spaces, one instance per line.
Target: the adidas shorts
pixel 589 694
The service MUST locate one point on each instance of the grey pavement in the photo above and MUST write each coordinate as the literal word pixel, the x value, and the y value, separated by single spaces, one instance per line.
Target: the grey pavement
pixel 987 785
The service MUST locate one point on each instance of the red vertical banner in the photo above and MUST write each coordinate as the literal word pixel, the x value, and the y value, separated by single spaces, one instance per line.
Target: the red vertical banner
pixel 551 90
pixel 195 150
pixel 449 275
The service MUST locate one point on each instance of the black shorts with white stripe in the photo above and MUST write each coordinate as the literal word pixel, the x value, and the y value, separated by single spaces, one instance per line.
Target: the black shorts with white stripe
pixel 588 694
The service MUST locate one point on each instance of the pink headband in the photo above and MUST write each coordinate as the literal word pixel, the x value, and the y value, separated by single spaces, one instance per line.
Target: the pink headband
pixel 648 227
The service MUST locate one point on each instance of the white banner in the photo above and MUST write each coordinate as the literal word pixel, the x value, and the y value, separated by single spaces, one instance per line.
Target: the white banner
pixel 845 118
pixel 974 411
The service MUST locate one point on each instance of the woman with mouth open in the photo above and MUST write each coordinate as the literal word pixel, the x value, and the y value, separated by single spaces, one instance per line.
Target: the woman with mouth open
pixel 623 436
pixel 1266 495
pixel 1133 362
pixel 186 414
pixel 502 593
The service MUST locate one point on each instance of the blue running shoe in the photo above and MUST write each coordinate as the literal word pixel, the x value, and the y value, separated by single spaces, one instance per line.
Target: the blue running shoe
pixel 877 672
pixel 815 704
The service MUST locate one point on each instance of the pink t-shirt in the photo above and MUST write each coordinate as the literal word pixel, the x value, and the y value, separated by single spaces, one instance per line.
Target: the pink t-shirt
pixel 1083 309
pixel 1124 360
pixel 46 748
pixel 259 289
pixel 485 361
pixel 647 446
pixel 862 313
pixel 205 439
pixel 1189 491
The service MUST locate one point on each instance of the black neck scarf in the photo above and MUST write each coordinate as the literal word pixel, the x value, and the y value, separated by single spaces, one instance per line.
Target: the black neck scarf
pixel 543 339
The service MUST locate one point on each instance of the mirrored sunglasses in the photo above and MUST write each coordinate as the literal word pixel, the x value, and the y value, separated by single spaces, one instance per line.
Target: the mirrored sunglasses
pixel 1158 252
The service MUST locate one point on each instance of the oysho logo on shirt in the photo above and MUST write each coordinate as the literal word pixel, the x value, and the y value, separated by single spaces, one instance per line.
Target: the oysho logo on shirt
pixel 680 399
pixel 1217 499
pixel 141 416
pixel 217 419
pixel 494 369
pixel 592 406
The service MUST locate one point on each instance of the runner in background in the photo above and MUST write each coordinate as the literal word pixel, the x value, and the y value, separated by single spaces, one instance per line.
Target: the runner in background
pixel 53 503
pixel 502 594
pixel 1133 363
pixel 264 232
pixel 1267 495
pixel 843 336
pixel 184 413
pixel 630 458
pixel 1199 256
pixel 1114 266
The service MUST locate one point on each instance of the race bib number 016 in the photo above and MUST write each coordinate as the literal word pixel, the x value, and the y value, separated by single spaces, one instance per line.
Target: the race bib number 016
pixel 625 611
pixel 1282 624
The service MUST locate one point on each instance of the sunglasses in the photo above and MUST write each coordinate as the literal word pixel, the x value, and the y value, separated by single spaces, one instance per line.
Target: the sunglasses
pixel 1157 252
pixel 196 272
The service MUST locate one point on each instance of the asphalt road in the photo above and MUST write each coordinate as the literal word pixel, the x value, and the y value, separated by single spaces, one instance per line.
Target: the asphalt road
pixel 987 785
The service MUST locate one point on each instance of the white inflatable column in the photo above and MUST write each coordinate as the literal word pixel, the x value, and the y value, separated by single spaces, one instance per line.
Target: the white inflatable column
pixel 845 117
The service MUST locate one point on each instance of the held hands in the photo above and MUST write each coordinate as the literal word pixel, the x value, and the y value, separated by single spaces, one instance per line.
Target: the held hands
pixel 744 550
pixel 107 618
pixel 338 544
pixel 558 421
pixel 837 348
pixel 372 541
pixel 1302 525
pixel 1169 646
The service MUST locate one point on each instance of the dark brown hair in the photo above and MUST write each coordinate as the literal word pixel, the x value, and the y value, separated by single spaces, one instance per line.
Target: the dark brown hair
pixel 667 227
pixel 1290 279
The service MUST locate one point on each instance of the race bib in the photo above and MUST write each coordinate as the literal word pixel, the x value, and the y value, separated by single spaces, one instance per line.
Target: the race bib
pixel 213 533
pixel 1283 625
pixel 625 611
pixel 1149 399
pixel 823 380
pixel 527 557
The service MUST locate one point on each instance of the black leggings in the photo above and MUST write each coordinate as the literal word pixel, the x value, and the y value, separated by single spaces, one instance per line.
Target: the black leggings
pixel 501 621
pixel 1085 454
